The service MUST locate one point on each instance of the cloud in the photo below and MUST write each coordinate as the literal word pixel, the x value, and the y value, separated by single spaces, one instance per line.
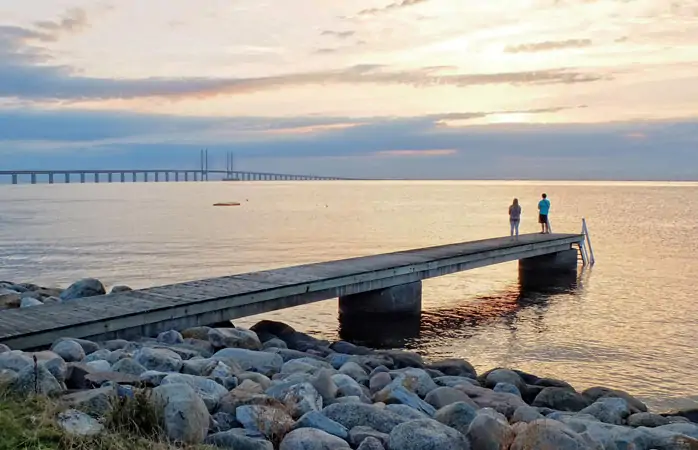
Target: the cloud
pixel 416 153
pixel 74 21
pixel 548 45
pixel 339 34
pixel 392 6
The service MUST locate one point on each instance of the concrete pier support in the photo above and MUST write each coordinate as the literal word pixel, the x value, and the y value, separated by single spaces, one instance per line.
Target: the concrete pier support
pixel 67 177
pixel 82 177
pixel 33 178
pixel 15 179
pixel 405 299
pixel 560 262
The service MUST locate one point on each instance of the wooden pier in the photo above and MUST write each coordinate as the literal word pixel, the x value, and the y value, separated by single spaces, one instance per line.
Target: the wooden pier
pixel 149 311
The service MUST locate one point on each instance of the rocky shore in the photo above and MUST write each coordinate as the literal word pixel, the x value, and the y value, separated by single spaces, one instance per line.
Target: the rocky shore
pixel 272 387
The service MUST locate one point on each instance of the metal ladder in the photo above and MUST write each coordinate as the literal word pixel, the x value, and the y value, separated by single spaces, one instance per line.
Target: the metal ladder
pixel 585 249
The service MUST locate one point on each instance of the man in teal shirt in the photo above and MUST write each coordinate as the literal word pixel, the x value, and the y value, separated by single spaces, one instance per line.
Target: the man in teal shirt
pixel 543 210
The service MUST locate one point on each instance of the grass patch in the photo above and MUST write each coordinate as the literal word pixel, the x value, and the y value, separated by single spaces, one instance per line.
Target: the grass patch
pixel 29 424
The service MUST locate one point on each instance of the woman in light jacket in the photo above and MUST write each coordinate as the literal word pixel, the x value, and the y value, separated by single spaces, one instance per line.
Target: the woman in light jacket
pixel 515 217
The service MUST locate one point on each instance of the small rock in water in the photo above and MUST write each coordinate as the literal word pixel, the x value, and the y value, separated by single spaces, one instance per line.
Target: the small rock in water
pixel 595 393
pixel 87 287
pixel 455 368
pixel 28 302
pixel 78 423
pixel 312 439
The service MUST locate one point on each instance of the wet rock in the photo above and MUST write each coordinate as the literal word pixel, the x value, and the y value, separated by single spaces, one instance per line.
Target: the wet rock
pixel 561 399
pixel 454 368
pixel 352 415
pixel 171 337
pixel 359 434
pixel 269 421
pixel 379 381
pixel 312 439
pixel 594 393
pixel 396 393
pixel 238 439
pixel 488 432
pixel 526 414
pixel 128 366
pixel 427 435
pixel 28 302
pixel 69 350
pixel 159 359
pixel 349 349
pixel 234 338
pixel 87 287
pixel 184 413
pixel 318 420
pixel 444 396
pixel 250 360
pixel 690 414
pixel 96 402
pixel 549 434
pixel 371 443
pixel 208 390
pixel 646 419
pixel 609 410
pixel 77 423
pixel 36 380
pixel 458 416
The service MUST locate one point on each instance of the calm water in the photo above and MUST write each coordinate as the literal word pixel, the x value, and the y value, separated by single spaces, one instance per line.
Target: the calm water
pixel 630 323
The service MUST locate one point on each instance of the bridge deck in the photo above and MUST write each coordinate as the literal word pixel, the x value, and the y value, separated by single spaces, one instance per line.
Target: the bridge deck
pixel 150 311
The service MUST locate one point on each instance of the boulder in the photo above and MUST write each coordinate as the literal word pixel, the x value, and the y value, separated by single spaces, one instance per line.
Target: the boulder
pixel 271 422
pixel 258 378
pixel 171 337
pixel 427 434
pixel 499 401
pixel 238 439
pixel 454 368
pixel 507 388
pixel 118 289
pixel 234 338
pixel 396 393
pixel 547 434
pixel 406 412
pixel 100 378
pixel 416 380
pixel 223 422
pixel 496 376
pixel 99 355
pixel 526 414
pixel 349 349
pixel 444 396
pixel 457 416
pixel 452 381
pixel 198 333
pixel 9 299
pixel 69 350
pixel 323 383
pixel 318 420
pixel 359 434
pixel 352 415
pixel 274 343
pixel 4 349
pixel 403 359
pixel 100 365
pixel 28 302
pixel 609 410
pixel 355 371
pixel 77 423
pixel 250 360
pixel 96 402
pixel 646 419
pixel 87 287
pixel 594 393
pixel 208 390
pixel 561 399
pixel 312 439
pixel 347 386
pixel 53 363
pixel 159 359
pixel 371 443
pixel 153 378
pixel 184 413
pixel 301 399
pixel 237 397
pixel 307 365
pixel 36 381
pixel 128 366
pixel 489 432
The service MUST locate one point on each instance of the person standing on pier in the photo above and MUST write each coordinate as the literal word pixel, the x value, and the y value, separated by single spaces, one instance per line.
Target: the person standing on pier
pixel 543 211
pixel 514 217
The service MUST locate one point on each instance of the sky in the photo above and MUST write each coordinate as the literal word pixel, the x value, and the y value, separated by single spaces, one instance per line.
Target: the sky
pixel 443 89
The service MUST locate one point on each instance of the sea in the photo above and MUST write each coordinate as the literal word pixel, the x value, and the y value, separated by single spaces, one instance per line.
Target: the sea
pixel 629 322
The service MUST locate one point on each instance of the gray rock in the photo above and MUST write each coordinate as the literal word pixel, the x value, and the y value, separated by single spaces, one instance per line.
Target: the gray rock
pixel 687 429
pixel 153 377
pixel 561 399
pixel 274 343
pixel 499 401
pixel 69 350
pixel 77 423
pixel 458 416
pixel 159 359
pixel 645 419
pixel 238 439
pixel 507 388
pixel 128 366
pixel 379 381
pixel 222 421
pixel 234 338
pixel 4 349
pixel 171 337
pixel 404 359
pixel 7 378
pixel 14 361
pixel 198 333
pixel 493 377
pixel 115 344
pixel 199 367
pixel 406 412
pixel 358 434
pixel 323 383
pixel 371 443
pixel 349 349
pixel 36 380
pixel 490 433
pixel 208 390
pixel 347 386
pixel 396 393
pixel 454 367
pixel 355 371
pixel 96 402
pixel 250 360
pixel 416 380
pixel 87 287
pixel 28 302
pixel 452 381
pixel 118 289
pixel 352 415
pixel 258 378
pixel 444 396
pixel 99 355
pixel 427 435
pixel 301 399
pixel 53 363
pixel 312 439
pixel 269 421
pixel 549 434
pixel 184 414
pixel 100 365
pixel 306 365
pixel 526 414
pixel 609 410
pixel 594 393
pixel 318 420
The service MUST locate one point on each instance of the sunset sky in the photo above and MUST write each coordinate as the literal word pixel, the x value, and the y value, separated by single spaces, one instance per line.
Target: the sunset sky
pixel 536 89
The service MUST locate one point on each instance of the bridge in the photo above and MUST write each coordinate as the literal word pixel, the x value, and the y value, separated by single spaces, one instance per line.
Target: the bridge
pixel 388 283
pixel 202 173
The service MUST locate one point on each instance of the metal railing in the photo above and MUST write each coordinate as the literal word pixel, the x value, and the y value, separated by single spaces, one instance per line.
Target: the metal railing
pixel 585 248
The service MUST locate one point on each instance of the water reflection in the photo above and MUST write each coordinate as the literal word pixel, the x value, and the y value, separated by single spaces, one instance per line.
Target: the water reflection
pixel 462 321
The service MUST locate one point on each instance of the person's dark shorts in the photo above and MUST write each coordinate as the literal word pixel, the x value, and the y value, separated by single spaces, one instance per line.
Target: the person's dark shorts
pixel 542 218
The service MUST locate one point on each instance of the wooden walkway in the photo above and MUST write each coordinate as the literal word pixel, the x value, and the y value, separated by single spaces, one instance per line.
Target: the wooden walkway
pixel 147 312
